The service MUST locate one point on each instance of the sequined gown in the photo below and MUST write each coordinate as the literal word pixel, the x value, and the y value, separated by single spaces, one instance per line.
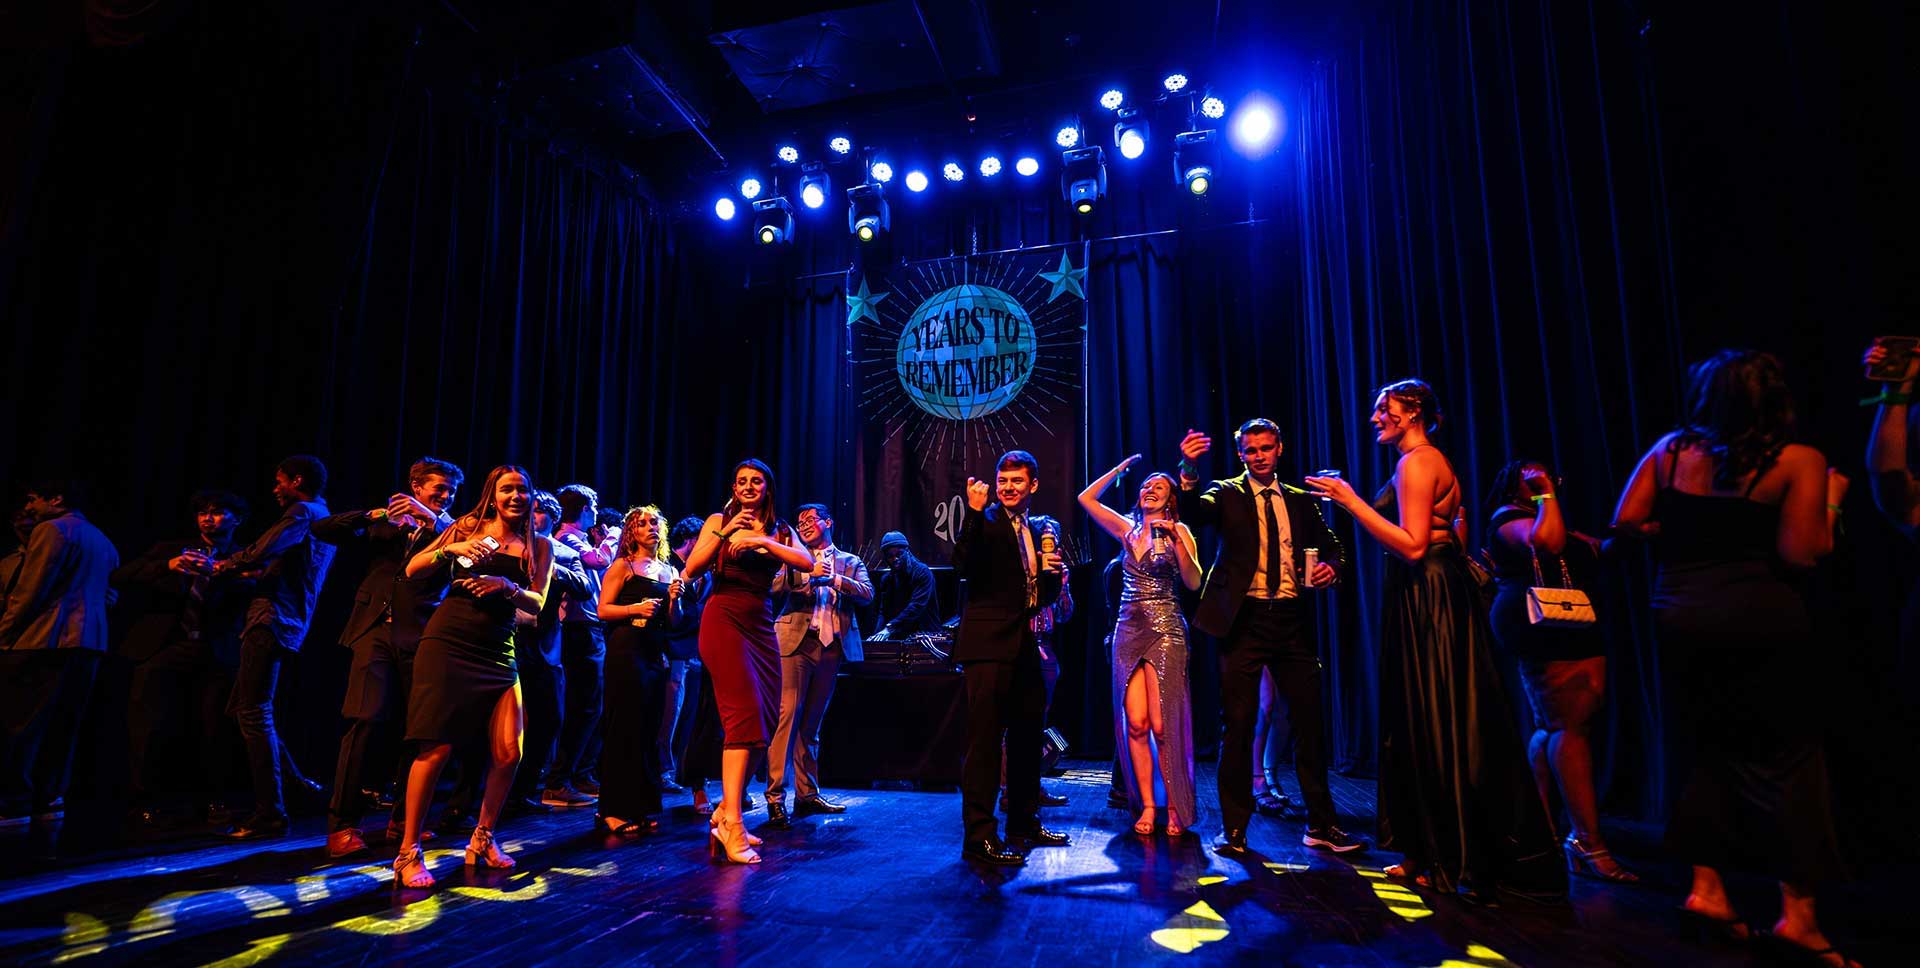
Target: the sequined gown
pixel 1151 630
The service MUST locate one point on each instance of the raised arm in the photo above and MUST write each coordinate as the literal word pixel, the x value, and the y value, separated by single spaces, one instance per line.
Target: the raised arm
pixel 1107 518
pixel 1199 508
pixel 1414 481
pixel 972 524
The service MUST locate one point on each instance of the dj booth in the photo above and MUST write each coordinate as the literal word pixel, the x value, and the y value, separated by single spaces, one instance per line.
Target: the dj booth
pixel 900 715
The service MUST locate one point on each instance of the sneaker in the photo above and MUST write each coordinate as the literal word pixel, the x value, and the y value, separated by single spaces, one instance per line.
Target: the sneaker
pixel 1332 838
pixel 567 795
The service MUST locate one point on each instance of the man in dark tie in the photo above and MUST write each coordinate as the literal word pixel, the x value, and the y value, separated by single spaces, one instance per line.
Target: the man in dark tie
pixel 1011 574
pixel 381 675
pixel 1255 602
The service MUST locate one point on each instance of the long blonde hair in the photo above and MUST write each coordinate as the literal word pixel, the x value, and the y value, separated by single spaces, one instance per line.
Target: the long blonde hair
pixel 630 535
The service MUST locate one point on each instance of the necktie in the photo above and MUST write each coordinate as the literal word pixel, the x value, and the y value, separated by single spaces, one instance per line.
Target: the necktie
pixel 1273 546
pixel 823 610
pixel 196 602
pixel 1024 544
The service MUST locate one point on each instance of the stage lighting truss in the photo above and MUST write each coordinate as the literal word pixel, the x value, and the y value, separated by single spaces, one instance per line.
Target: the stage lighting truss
pixel 1083 178
pixel 1130 133
pixel 814 184
pixel 867 216
pixel 772 220
pixel 1196 156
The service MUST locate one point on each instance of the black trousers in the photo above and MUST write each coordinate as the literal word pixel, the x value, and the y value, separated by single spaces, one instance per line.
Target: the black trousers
pixel 251 705
pixel 377 688
pixel 1275 636
pixel 629 765
pixel 543 690
pixel 43 700
pixel 1006 703
pixel 178 695
pixel 583 653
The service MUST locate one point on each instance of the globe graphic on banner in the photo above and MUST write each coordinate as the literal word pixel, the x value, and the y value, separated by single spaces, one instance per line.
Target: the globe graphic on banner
pixel 966 352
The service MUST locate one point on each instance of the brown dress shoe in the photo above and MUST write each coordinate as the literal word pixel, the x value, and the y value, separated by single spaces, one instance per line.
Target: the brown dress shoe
pixel 345 843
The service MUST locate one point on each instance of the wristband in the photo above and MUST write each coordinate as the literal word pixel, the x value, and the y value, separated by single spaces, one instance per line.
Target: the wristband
pixel 1538 498
pixel 1888 398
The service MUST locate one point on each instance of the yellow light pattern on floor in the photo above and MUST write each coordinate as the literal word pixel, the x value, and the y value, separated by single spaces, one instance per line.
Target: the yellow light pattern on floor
pixel 259 951
pixel 1397 897
pixel 1478 956
pixel 407 920
pixel 84 935
pixel 1198 925
pixel 522 889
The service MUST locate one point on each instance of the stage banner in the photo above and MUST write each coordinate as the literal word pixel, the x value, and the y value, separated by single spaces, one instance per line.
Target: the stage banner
pixel 955 362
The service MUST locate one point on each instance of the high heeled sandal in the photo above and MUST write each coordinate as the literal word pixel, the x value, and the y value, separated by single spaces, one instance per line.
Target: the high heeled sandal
pixel 1588 863
pixel 752 841
pixel 728 840
pixel 1175 829
pixel 1144 825
pixel 410 868
pixel 482 851
pixel 626 829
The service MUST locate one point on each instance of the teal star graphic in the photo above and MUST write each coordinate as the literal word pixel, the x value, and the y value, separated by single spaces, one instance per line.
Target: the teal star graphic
pixel 1066 279
pixel 862 303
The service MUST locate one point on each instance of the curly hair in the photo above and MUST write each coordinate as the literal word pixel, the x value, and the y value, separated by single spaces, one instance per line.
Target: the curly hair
pixel 630 532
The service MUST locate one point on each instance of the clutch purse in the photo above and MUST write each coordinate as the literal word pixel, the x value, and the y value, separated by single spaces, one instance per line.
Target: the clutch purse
pixel 1565 607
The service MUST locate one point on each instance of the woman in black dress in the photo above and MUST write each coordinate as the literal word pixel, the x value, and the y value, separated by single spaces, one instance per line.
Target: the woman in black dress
pixel 745 546
pixel 465 685
pixel 1563 670
pixel 639 598
pixel 1737 513
pixel 1455 797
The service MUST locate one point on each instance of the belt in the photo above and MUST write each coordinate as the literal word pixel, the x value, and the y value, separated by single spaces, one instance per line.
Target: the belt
pixel 1269 604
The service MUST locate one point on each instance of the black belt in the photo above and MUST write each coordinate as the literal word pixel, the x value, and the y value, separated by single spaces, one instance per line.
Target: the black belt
pixel 1269 604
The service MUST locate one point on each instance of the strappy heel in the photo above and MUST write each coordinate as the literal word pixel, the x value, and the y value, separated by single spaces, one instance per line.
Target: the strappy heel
pixel 1144 825
pixel 410 868
pixel 482 851
pixel 1597 863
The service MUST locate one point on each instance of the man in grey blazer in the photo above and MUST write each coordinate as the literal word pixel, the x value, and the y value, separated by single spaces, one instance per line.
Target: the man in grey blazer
pixel 53 631
pixel 817 630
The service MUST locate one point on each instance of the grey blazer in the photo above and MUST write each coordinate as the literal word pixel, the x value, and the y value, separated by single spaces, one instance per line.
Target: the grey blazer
pixel 790 629
pixel 59 598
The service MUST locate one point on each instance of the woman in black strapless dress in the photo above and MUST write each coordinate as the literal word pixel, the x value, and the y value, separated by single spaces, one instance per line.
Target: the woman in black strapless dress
pixel 1456 797
pixel 639 600
pixel 465 685
pixel 1737 514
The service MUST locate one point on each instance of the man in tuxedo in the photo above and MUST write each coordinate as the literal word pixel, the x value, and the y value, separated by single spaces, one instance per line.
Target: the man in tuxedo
pixel 184 645
pixel 1254 600
pixel 381 675
pixel 1009 579
pixel 817 630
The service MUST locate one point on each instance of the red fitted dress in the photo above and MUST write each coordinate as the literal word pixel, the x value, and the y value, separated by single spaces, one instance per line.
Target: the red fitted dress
pixel 738 648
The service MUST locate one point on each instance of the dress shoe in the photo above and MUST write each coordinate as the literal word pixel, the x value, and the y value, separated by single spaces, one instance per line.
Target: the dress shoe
pixel 670 785
pixel 456 822
pixel 345 843
pixel 377 800
pixel 589 785
pixel 567 795
pixel 1332 838
pixel 526 807
pixel 300 786
pixel 1117 800
pixel 1048 798
pixel 257 828
pixel 777 814
pixel 1272 803
pixel 816 804
pixel 987 850
pixel 1039 837
pixel 1232 843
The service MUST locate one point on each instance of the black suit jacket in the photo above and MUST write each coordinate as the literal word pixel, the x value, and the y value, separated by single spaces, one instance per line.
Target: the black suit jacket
pixel 389 548
pixel 164 598
pixel 1228 507
pixel 996 621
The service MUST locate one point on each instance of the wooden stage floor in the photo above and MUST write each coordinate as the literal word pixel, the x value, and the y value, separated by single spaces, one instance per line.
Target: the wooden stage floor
pixel 881 885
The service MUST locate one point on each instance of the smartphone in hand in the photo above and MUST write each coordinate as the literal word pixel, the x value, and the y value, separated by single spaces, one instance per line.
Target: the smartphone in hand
pixel 1892 368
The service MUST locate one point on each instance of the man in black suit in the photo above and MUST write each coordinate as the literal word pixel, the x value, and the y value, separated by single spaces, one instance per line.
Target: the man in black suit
pixel 382 671
pixel 184 646
pixel 1009 579
pixel 1254 602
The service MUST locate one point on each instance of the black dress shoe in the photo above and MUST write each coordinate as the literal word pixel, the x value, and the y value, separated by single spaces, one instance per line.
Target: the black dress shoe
pixel 456 822
pixel 1039 837
pixel 670 785
pixel 1232 843
pixel 1332 838
pixel 526 807
pixel 257 828
pixel 1118 800
pixel 808 806
pixel 1050 799
pixel 990 851
pixel 307 787
pixel 777 814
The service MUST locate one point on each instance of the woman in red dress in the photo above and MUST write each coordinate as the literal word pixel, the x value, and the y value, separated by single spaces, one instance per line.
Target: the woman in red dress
pixel 745 546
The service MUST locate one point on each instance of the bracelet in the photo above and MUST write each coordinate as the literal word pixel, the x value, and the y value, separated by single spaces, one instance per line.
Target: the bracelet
pixel 1539 498
pixel 1835 508
pixel 1888 398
